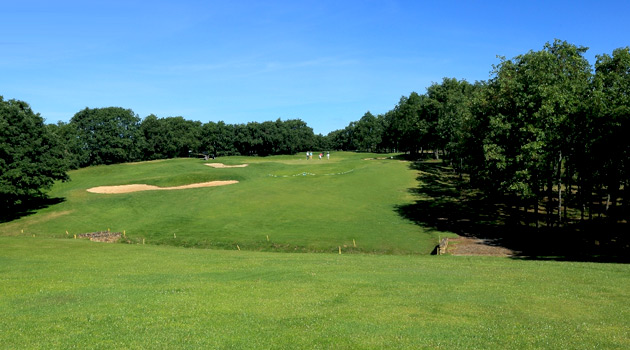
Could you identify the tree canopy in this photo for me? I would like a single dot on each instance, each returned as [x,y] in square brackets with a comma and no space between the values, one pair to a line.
[31,157]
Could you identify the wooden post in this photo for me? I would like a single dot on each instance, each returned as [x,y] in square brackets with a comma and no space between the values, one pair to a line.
[442,246]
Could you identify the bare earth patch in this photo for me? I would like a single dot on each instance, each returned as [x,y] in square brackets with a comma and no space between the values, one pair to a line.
[221,165]
[102,236]
[471,246]
[142,187]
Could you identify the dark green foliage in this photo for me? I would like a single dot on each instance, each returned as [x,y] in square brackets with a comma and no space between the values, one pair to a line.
[31,157]
[106,135]
[168,137]
[218,139]
[368,133]
[411,130]
[343,139]
[70,143]
[544,132]
[610,144]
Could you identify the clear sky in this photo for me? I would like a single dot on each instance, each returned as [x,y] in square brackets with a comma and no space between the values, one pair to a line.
[325,62]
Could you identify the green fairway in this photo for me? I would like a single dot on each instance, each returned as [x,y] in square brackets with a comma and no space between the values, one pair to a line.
[72,293]
[61,294]
[282,203]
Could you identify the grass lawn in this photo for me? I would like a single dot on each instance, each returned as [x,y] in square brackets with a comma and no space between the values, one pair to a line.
[66,293]
[282,203]
[253,293]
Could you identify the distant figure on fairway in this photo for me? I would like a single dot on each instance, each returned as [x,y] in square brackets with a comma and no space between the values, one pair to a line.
[327,155]
[306,155]
[320,156]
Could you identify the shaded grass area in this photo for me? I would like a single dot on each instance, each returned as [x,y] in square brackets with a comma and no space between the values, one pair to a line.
[282,203]
[28,206]
[445,201]
[59,294]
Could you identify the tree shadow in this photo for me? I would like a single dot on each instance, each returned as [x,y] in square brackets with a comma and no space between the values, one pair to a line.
[28,207]
[446,202]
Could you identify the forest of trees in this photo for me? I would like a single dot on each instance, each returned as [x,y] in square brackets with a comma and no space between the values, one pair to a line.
[549,132]
[116,135]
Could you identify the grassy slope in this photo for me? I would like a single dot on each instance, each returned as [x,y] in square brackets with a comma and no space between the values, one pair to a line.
[347,198]
[78,294]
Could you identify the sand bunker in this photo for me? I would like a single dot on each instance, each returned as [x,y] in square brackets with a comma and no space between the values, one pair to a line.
[141,187]
[221,165]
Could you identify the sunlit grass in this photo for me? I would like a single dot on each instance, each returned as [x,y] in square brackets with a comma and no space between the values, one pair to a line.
[64,294]
[282,203]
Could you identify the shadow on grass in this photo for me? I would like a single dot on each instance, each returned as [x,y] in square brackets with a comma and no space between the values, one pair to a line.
[28,207]
[446,202]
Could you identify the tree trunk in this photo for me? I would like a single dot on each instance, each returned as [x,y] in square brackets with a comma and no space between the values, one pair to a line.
[601,201]
[581,199]
[536,211]
[549,201]
[569,195]
[526,217]
[590,208]
[560,190]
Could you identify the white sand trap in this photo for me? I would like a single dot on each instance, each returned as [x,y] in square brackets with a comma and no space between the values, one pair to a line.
[141,187]
[221,165]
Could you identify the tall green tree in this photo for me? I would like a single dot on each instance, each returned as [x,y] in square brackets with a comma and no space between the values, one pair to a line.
[411,131]
[218,139]
[168,137]
[610,146]
[447,106]
[368,133]
[31,156]
[535,101]
[107,135]
[70,144]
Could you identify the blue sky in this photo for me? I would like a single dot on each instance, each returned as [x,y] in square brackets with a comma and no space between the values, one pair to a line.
[325,62]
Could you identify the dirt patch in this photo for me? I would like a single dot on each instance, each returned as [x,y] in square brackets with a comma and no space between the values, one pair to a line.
[471,246]
[221,165]
[142,187]
[102,236]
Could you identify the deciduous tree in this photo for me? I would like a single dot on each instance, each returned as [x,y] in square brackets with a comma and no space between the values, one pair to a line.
[31,158]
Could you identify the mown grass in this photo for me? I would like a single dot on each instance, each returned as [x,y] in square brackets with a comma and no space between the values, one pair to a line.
[64,294]
[282,203]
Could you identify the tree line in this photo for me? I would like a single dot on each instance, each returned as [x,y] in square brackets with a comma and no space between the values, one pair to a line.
[116,135]
[33,154]
[547,131]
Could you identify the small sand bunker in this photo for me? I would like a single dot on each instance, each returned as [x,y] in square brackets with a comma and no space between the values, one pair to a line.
[221,165]
[141,187]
